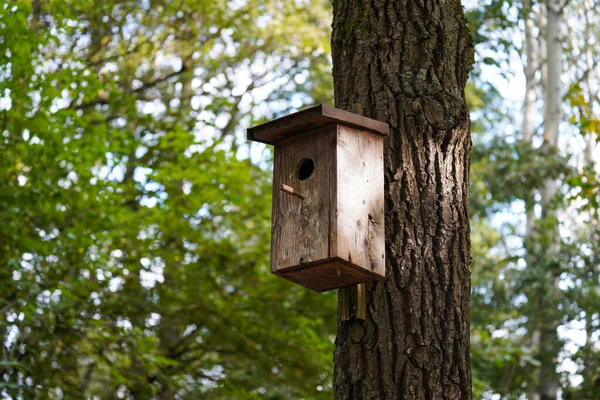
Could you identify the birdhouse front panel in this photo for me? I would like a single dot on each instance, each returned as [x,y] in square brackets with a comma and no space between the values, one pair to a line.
[328,197]
[300,227]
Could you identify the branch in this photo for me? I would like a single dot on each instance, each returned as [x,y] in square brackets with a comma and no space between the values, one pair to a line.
[87,378]
[155,82]
[562,8]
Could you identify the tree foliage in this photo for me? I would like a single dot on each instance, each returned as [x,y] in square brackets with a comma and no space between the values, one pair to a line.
[135,228]
[135,217]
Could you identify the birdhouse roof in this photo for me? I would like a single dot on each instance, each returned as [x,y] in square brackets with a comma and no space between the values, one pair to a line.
[311,118]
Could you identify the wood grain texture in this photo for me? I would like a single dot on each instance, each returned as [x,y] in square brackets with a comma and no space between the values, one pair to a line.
[327,229]
[312,118]
[328,274]
[357,229]
[300,227]
[341,215]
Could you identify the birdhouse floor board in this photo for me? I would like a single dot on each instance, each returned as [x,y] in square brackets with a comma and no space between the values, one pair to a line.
[327,275]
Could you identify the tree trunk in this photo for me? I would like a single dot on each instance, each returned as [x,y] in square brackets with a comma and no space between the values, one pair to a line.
[590,73]
[530,68]
[552,88]
[549,345]
[406,63]
[590,162]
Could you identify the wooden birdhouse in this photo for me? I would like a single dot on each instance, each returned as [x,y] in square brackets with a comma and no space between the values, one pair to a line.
[328,198]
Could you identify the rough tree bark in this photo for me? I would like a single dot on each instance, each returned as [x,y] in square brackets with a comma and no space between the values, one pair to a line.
[406,63]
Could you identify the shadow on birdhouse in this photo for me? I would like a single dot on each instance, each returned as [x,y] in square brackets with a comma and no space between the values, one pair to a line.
[328,197]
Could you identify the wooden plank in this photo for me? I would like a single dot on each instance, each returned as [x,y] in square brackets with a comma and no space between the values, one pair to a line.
[327,275]
[300,227]
[361,301]
[312,118]
[358,234]
[344,295]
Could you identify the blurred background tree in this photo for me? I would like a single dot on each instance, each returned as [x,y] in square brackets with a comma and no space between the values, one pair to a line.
[135,217]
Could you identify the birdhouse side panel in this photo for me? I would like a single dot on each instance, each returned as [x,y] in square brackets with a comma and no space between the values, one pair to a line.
[359,235]
[301,199]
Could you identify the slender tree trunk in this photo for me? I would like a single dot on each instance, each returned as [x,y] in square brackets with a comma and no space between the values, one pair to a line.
[552,88]
[406,63]
[549,345]
[530,68]
[590,74]
[590,162]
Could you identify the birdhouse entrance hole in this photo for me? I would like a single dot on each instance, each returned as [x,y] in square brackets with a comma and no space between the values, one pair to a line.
[306,166]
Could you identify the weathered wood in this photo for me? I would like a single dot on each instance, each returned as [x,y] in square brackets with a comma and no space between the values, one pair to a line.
[357,231]
[311,118]
[361,301]
[345,303]
[353,302]
[300,227]
[340,207]
[328,274]
[328,199]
